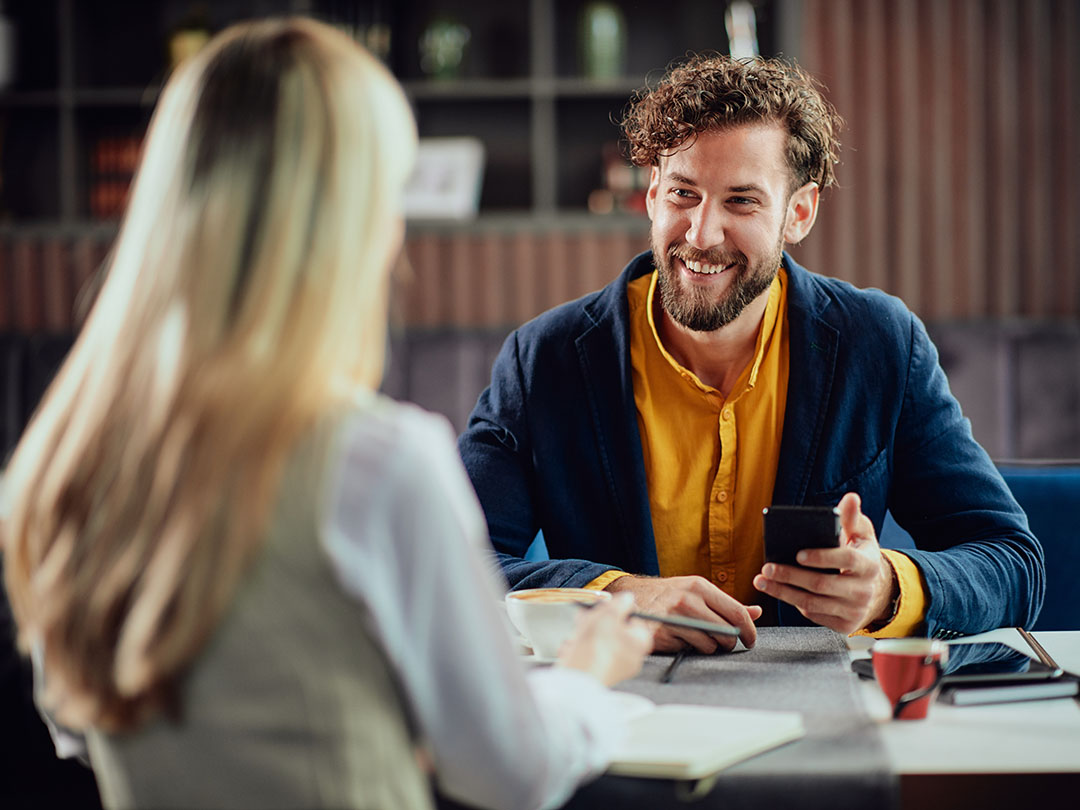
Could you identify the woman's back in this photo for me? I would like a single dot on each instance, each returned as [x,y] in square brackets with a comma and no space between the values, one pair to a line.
[181,540]
[292,704]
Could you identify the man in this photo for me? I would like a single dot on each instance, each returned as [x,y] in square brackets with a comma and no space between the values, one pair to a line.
[644,427]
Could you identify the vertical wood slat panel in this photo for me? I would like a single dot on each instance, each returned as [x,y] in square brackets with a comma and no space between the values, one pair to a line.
[959,164]
[1064,202]
[938,221]
[841,207]
[56,289]
[1072,16]
[871,169]
[978,186]
[26,287]
[489,279]
[905,115]
[1034,180]
[1002,155]
[828,243]
[7,300]
[810,252]
[961,175]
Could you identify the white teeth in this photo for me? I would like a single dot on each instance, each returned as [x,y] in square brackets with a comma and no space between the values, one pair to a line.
[709,269]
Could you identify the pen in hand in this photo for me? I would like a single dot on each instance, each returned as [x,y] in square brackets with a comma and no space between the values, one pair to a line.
[712,628]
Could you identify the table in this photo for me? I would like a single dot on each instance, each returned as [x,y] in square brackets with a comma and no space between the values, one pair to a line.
[959,757]
[1043,736]
[987,756]
[839,763]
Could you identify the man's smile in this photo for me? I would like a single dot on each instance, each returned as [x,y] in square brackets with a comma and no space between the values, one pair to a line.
[706,269]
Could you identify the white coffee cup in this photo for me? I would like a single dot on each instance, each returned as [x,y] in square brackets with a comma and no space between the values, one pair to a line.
[546,616]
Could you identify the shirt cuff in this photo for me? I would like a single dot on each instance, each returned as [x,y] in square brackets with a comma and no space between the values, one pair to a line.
[605,579]
[585,723]
[911,608]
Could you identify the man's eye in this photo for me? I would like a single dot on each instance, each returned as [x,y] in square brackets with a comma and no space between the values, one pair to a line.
[741,201]
[682,192]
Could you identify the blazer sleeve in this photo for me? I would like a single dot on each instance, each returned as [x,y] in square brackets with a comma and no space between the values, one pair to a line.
[500,457]
[982,566]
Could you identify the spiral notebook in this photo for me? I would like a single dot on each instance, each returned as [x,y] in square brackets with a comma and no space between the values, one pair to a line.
[680,741]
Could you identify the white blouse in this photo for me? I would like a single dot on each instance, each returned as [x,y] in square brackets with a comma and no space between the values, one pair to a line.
[406,535]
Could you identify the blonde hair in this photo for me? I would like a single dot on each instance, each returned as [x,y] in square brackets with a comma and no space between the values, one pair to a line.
[244,298]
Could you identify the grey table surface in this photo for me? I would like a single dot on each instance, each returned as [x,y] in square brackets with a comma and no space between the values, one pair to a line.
[841,762]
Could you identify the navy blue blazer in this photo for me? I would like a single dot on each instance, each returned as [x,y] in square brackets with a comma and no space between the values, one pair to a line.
[553,445]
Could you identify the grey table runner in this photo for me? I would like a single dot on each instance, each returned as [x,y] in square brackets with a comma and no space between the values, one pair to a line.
[840,763]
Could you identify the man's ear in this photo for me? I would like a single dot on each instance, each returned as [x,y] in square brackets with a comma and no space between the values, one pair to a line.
[654,185]
[801,213]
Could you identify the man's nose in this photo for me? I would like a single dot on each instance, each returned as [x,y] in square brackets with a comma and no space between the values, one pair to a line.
[707,226]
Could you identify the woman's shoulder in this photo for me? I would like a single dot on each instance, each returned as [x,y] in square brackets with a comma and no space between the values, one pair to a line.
[378,426]
[378,443]
[392,462]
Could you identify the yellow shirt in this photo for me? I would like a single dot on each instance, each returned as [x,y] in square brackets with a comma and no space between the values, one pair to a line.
[700,448]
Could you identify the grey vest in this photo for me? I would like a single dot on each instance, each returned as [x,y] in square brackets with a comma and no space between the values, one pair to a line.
[292,704]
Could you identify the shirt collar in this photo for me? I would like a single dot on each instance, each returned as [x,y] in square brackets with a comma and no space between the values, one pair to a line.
[768,324]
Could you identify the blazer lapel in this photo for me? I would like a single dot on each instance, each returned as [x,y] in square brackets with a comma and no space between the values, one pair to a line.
[812,347]
[812,367]
[604,356]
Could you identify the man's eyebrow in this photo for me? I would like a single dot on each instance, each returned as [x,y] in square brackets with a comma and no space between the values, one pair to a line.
[746,188]
[682,179]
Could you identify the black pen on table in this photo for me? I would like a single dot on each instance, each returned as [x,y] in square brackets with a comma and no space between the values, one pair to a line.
[669,673]
[712,628]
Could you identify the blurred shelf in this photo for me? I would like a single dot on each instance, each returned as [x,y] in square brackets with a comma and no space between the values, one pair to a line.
[117,96]
[452,89]
[594,88]
[31,98]
[425,89]
[87,76]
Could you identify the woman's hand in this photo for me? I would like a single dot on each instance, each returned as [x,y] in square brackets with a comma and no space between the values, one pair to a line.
[607,643]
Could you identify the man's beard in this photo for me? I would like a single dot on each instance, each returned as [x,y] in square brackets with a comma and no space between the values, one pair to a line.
[699,309]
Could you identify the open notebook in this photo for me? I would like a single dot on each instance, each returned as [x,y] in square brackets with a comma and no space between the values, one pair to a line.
[677,741]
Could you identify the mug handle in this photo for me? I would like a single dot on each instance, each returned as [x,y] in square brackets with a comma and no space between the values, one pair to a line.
[917,694]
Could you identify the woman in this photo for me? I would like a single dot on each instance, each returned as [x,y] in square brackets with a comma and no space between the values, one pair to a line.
[246,578]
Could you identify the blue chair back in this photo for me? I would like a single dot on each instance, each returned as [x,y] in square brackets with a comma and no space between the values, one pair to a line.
[1050,495]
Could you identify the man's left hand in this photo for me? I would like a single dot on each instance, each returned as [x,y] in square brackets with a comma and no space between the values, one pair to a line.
[860,595]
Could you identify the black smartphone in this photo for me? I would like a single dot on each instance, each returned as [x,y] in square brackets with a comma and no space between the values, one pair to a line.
[789,529]
[984,662]
[983,672]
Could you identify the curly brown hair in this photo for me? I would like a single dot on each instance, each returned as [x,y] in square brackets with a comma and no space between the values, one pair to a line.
[715,92]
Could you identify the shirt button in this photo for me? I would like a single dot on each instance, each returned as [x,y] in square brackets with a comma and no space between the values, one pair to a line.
[726,415]
[721,577]
[722,496]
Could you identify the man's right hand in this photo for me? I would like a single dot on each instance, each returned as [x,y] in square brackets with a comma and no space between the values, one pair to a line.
[696,598]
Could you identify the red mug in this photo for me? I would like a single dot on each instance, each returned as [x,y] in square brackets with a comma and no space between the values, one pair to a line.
[908,671]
